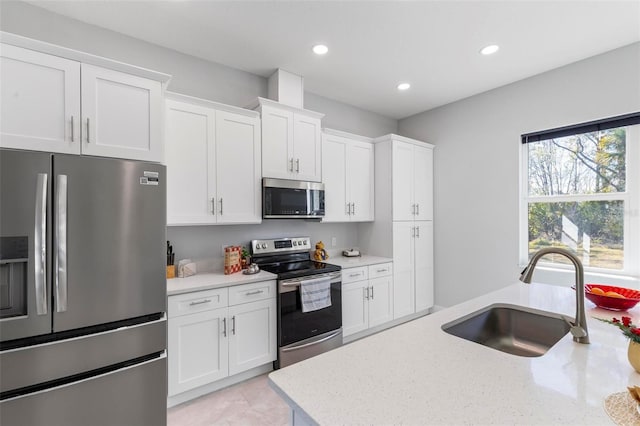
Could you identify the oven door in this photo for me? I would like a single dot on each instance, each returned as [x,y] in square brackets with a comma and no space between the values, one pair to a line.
[296,326]
[282,199]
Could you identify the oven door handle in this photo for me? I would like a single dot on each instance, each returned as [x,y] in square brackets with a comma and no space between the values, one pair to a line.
[335,277]
[324,339]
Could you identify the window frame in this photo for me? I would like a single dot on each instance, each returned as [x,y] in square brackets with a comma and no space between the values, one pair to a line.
[630,197]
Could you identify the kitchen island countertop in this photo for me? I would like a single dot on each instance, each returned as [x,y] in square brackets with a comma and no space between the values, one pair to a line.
[416,373]
[209,280]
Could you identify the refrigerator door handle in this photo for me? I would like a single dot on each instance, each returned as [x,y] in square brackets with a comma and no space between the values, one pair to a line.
[61,244]
[40,241]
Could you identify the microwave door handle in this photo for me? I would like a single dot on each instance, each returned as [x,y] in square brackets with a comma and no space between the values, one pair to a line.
[40,243]
[61,244]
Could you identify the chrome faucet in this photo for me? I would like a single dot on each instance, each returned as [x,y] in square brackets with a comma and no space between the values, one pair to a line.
[579,328]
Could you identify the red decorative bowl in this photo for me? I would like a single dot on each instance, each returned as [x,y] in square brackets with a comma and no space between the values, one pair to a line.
[628,300]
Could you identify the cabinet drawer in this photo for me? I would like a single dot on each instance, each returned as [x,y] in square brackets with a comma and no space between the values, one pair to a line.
[354,274]
[198,301]
[251,292]
[380,270]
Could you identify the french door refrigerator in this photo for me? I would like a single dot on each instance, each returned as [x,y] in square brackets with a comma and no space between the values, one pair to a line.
[82,290]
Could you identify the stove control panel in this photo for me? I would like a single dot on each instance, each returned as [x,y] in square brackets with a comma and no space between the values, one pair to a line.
[280,245]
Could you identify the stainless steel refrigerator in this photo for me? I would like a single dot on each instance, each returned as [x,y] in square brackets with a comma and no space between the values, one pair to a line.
[82,290]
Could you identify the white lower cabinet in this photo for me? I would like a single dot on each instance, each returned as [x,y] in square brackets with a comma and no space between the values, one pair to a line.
[198,352]
[367,297]
[413,267]
[217,333]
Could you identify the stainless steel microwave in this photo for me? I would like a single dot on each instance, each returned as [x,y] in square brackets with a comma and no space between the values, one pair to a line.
[292,199]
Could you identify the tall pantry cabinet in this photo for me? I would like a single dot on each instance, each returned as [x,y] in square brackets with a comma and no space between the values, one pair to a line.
[403,229]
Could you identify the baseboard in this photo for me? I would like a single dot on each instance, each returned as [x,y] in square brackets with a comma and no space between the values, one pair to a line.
[218,384]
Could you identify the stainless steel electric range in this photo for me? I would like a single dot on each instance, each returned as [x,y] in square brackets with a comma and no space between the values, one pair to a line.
[301,334]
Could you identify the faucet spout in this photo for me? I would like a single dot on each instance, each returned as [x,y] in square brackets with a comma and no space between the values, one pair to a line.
[579,328]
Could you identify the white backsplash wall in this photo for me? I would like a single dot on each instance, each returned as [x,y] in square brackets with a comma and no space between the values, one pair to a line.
[206,242]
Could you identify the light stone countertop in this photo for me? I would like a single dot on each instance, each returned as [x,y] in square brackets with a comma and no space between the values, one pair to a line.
[208,280]
[353,262]
[416,373]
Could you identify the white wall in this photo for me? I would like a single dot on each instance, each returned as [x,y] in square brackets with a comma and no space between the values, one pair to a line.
[477,162]
[208,80]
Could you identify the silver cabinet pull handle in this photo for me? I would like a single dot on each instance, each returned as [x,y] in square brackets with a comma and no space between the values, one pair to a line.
[355,275]
[213,206]
[221,206]
[365,291]
[381,270]
[233,325]
[88,131]
[254,292]
[224,327]
[291,164]
[371,292]
[353,209]
[40,244]
[413,231]
[418,209]
[200,302]
[297,165]
[73,138]
[348,208]
[61,245]
[417,231]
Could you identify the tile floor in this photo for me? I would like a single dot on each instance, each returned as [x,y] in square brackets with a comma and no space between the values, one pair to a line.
[248,403]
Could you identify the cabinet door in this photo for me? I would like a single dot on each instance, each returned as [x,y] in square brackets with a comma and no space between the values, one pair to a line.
[423,192]
[424,265]
[190,130]
[355,307]
[402,181]
[334,178]
[403,269]
[307,150]
[277,143]
[238,168]
[360,181]
[380,300]
[121,115]
[40,101]
[197,350]
[252,338]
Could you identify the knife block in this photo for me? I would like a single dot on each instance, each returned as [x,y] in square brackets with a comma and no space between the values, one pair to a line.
[171,271]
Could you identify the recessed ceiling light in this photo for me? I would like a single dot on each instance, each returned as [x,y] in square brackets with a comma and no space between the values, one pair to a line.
[403,86]
[489,50]
[320,49]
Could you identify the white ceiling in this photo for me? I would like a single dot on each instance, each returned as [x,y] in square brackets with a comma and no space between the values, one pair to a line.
[374,45]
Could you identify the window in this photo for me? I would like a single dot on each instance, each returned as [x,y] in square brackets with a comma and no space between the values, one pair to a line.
[580,187]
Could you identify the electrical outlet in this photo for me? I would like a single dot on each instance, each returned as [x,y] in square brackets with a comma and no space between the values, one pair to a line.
[333,241]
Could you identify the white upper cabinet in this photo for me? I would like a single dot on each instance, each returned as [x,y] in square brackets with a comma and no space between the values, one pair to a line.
[307,147]
[121,115]
[40,107]
[190,156]
[60,100]
[347,173]
[238,168]
[291,141]
[412,182]
[277,137]
[213,163]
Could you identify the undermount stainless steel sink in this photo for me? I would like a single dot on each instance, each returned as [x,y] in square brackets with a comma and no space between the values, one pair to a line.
[512,329]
